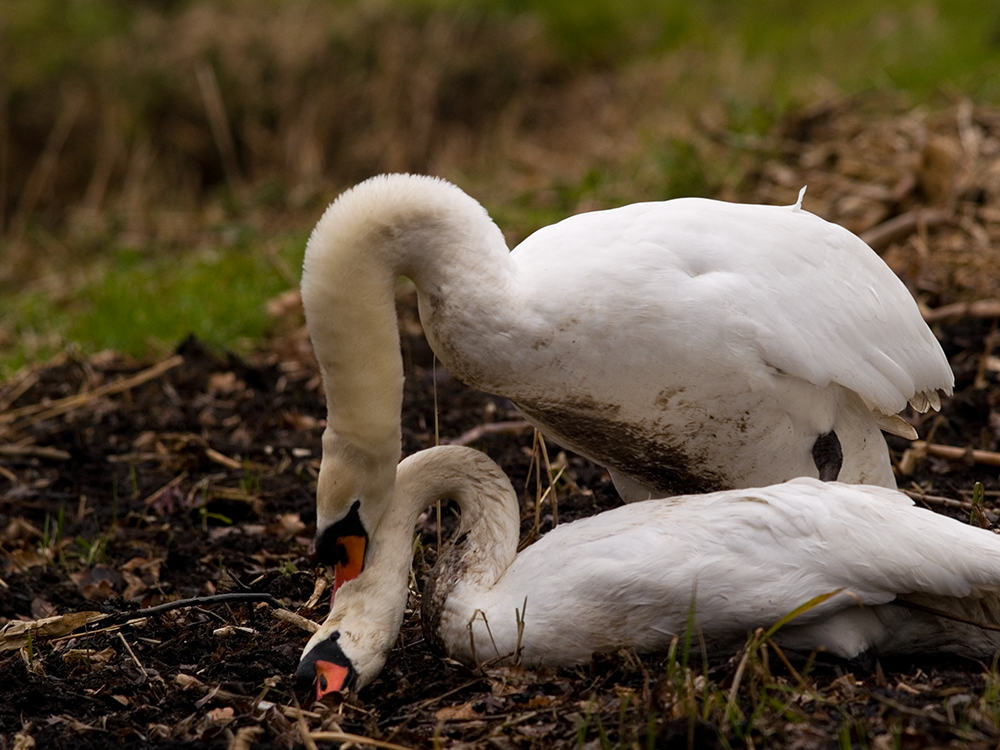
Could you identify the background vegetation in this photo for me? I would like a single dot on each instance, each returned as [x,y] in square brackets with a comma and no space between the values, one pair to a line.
[161,163]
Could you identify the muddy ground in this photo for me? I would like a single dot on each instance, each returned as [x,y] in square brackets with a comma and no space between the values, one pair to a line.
[200,480]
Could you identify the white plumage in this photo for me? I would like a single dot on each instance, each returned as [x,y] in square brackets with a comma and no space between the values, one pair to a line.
[688,346]
[627,577]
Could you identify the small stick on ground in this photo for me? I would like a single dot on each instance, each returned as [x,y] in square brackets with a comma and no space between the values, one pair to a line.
[18,388]
[197,601]
[937,500]
[297,620]
[36,451]
[39,412]
[172,483]
[319,587]
[303,728]
[986,308]
[356,738]
[492,428]
[135,658]
[954,453]
[902,226]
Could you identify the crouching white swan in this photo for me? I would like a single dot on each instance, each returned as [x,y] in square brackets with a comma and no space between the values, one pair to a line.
[688,346]
[627,577]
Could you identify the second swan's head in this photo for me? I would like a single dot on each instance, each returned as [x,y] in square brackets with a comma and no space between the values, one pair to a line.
[346,653]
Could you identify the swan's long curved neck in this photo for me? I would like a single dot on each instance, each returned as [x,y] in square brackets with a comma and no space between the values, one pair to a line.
[486,540]
[390,226]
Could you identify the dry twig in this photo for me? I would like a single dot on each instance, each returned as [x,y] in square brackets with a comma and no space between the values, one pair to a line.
[986,308]
[356,738]
[39,412]
[492,428]
[295,619]
[902,226]
[954,453]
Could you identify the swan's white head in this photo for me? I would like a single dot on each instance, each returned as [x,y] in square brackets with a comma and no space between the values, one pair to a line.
[348,651]
[350,647]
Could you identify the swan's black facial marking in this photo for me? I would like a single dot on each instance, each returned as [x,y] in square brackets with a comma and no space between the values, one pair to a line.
[330,550]
[828,456]
[308,674]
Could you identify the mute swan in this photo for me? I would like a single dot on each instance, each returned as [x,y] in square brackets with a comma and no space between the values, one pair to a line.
[687,346]
[626,577]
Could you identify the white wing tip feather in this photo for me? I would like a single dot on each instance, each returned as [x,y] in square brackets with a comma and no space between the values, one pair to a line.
[895,425]
[926,401]
[798,202]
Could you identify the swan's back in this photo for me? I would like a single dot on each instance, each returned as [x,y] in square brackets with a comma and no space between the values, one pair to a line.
[801,295]
[745,558]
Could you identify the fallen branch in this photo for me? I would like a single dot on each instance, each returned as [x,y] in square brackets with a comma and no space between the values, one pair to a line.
[953,453]
[298,620]
[986,308]
[477,433]
[196,601]
[938,500]
[355,738]
[190,682]
[38,451]
[63,405]
[902,226]
[17,633]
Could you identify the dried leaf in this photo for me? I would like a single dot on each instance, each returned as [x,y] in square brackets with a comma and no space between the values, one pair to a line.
[98,583]
[89,657]
[245,737]
[19,529]
[28,558]
[289,526]
[222,715]
[135,587]
[457,713]
[224,383]
[15,634]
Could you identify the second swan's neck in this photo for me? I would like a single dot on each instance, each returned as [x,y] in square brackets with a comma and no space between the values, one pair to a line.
[485,545]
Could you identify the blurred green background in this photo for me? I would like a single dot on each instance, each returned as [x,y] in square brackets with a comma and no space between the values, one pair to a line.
[161,163]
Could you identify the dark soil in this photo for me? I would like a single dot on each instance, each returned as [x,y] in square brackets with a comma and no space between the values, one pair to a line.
[86,524]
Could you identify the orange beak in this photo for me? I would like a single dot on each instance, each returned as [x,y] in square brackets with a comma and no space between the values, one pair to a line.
[354,549]
[330,678]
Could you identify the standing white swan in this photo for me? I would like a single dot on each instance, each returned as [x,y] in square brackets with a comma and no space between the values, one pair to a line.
[687,346]
[627,577]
